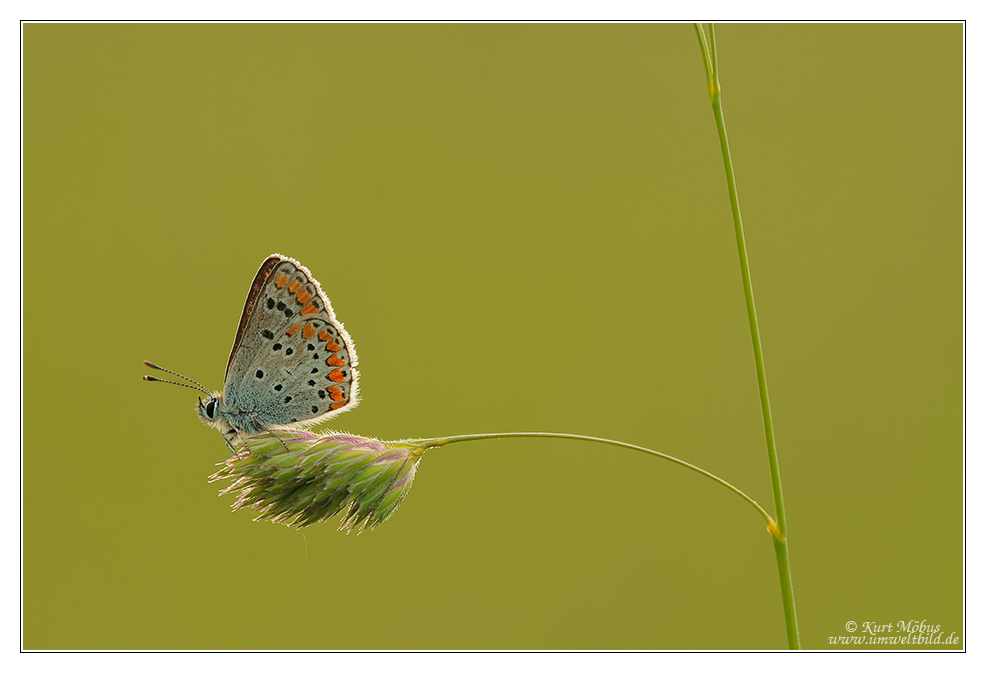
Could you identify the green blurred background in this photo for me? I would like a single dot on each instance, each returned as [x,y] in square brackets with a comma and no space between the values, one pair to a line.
[524,227]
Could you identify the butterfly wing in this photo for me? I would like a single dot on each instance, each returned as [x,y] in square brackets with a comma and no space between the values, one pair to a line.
[292,362]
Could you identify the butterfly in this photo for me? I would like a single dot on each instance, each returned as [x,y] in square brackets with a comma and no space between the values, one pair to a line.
[293,364]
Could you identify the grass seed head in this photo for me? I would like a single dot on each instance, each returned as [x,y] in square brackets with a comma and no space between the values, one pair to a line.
[301,478]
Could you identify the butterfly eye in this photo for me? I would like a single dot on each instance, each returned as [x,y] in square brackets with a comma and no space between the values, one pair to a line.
[210,408]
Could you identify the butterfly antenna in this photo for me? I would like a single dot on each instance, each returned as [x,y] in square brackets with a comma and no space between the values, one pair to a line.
[197,386]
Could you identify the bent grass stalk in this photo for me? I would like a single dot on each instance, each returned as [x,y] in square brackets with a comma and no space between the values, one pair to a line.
[442,441]
[299,478]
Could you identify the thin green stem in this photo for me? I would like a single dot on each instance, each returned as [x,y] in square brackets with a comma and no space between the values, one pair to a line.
[706,58]
[780,542]
[433,442]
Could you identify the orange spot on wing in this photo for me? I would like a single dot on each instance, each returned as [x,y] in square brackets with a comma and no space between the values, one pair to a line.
[308,332]
[336,405]
[335,361]
[338,375]
[304,297]
[332,346]
[335,393]
[293,329]
[324,336]
[293,286]
[309,309]
[280,279]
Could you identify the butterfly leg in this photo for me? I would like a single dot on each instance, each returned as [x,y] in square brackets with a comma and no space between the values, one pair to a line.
[273,434]
[277,437]
[226,436]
